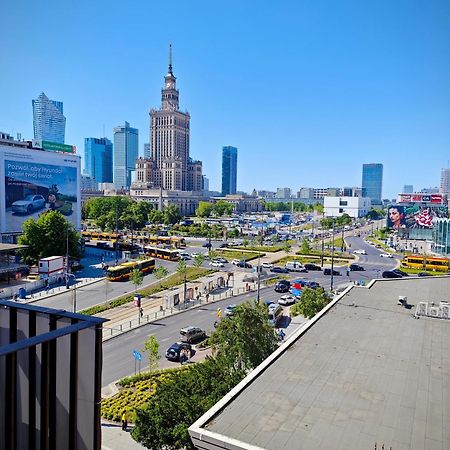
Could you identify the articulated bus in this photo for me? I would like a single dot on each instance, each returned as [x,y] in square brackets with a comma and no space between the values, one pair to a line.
[162,253]
[426,263]
[167,241]
[122,271]
[100,236]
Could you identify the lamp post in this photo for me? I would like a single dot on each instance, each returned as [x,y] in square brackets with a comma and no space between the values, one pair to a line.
[342,239]
[332,259]
[67,256]
[259,278]
[321,256]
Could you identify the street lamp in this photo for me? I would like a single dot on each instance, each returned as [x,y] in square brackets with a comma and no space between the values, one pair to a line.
[259,278]
[332,258]
[321,256]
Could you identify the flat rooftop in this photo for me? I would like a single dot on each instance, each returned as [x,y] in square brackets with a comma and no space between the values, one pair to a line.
[6,247]
[364,372]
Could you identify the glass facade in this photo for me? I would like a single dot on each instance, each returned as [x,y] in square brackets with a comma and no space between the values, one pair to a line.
[372,182]
[229,170]
[441,237]
[49,123]
[98,154]
[126,150]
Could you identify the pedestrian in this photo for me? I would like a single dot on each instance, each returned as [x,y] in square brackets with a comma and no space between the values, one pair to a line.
[207,296]
[124,420]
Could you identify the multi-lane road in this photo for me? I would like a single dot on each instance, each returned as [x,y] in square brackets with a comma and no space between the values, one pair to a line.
[118,352]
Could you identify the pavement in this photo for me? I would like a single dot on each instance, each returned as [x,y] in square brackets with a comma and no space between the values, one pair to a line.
[113,438]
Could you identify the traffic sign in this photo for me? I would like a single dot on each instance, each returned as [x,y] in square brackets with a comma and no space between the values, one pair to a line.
[137,355]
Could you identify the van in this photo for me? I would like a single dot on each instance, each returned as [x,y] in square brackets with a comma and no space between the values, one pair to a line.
[275,314]
[295,266]
[191,334]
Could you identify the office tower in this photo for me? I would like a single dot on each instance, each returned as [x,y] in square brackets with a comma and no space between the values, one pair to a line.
[98,155]
[408,189]
[445,182]
[126,149]
[205,183]
[229,170]
[147,151]
[372,182]
[283,193]
[172,168]
[49,123]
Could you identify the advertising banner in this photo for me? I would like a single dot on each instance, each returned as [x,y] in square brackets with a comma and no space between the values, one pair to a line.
[415,216]
[36,181]
[421,198]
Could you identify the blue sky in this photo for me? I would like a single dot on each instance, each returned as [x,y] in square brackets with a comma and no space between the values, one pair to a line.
[307,90]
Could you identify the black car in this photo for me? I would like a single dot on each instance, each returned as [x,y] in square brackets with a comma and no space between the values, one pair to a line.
[224,245]
[277,269]
[282,286]
[207,245]
[355,267]
[328,272]
[173,352]
[400,272]
[312,284]
[244,264]
[423,274]
[391,274]
[309,266]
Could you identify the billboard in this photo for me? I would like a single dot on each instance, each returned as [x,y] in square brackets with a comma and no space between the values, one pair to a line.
[35,181]
[437,199]
[414,216]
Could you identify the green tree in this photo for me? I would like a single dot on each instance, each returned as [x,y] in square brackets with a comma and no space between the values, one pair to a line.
[171,215]
[151,348]
[319,208]
[258,240]
[246,340]
[160,272]
[199,260]
[222,208]
[137,278]
[48,236]
[156,216]
[287,247]
[204,209]
[305,247]
[233,233]
[312,301]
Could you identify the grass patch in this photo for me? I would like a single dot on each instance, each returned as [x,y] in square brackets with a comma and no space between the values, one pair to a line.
[258,248]
[192,273]
[327,253]
[306,259]
[416,271]
[235,254]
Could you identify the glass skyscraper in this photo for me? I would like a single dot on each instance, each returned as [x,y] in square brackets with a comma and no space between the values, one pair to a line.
[229,170]
[98,159]
[372,182]
[126,150]
[49,123]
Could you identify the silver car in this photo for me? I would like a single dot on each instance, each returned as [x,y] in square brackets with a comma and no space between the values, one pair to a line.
[29,204]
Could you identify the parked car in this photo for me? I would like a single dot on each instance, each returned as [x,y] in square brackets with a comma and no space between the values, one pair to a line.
[194,255]
[230,310]
[328,272]
[207,245]
[423,274]
[385,255]
[294,266]
[286,300]
[192,334]
[309,266]
[299,283]
[244,264]
[391,274]
[29,204]
[235,262]
[277,269]
[282,286]
[312,284]
[173,352]
[222,260]
[224,245]
[185,257]
[355,268]
[267,265]
[360,252]
[400,272]
[216,264]
[184,254]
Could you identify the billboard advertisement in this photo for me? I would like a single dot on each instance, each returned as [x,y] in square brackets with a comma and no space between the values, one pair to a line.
[437,199]
[35,181]
[414,216]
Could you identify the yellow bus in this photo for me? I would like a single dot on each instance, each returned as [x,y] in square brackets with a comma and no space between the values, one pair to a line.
[435,263]
[100,236]
[162,253]
[166,241]
[122,271]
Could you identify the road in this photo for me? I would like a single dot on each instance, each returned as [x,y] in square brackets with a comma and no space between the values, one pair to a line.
[118,352]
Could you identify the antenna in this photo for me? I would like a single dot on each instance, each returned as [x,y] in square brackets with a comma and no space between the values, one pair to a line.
[104,131]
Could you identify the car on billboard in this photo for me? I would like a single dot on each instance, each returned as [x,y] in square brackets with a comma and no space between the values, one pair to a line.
[29,204]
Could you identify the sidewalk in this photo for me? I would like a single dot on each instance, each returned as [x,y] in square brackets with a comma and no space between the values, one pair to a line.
[113,438]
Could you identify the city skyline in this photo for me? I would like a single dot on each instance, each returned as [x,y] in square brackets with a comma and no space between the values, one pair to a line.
[354,91]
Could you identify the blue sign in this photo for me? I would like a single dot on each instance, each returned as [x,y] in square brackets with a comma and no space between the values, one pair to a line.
[137,355]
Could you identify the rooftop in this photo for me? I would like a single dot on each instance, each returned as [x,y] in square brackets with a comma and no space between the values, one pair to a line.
[365,371]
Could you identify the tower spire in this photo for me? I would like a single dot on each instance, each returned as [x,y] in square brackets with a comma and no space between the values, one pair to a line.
[170,59]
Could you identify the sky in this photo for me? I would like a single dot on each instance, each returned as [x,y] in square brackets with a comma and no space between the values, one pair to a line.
[308,90]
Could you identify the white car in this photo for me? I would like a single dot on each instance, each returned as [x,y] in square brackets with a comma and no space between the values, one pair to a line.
[216,264]
[386,255]
[235,262]
[194,255]
[29,204]
[360,252]
[267,265]
[286,300]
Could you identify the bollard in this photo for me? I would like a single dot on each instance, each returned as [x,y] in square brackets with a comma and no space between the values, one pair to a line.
[130,323]
[111,331]
[171,310]
[120,327]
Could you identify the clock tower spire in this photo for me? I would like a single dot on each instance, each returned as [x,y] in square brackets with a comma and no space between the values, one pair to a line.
[170,93]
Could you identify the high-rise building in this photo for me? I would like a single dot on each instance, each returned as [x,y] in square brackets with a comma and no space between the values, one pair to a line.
[372,182]
[408,189]
[98,155]
[171,167]
[126,149]
[205,183]
[229,170]
[283,192]
[49,123]
[146,150]
[445,182]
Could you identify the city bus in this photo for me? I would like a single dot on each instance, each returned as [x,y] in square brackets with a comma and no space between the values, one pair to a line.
[166,241]
[434,263]
[162,253]
[91,235]
[122,271]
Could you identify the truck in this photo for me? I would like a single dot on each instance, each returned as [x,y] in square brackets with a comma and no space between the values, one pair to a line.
[51,266]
